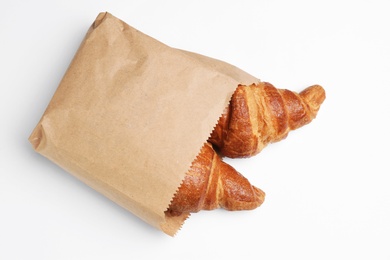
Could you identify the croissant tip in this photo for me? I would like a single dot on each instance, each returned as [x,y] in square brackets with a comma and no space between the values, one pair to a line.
[260,195]
[314,96]
[314,93]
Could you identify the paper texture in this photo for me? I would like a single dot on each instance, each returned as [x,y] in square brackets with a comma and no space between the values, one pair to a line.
[131,114]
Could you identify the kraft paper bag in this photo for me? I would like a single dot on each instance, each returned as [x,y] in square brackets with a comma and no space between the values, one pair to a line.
[131,114]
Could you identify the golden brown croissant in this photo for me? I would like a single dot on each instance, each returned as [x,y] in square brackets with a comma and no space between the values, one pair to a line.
[211,183]
[261,114]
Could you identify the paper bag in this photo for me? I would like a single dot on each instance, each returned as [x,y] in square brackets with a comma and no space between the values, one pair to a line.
[131,114]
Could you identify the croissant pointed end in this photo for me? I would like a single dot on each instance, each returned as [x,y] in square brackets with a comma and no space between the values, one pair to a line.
[260,196]
[314,96]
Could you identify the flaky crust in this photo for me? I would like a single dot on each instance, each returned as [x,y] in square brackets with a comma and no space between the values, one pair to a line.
[262,114]
[212,183]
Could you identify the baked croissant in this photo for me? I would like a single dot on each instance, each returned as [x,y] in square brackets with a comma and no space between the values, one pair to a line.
[211,183]
[262,114]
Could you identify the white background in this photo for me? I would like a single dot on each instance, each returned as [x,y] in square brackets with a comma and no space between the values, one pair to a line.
[327,184]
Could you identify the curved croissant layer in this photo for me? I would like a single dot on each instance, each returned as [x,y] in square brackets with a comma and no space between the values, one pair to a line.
[262,114]
[212,183]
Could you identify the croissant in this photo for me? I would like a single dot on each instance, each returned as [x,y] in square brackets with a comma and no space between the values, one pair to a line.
[262,114]
[211,183]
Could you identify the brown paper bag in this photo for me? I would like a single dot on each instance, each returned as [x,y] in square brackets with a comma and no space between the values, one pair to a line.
[131,114]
